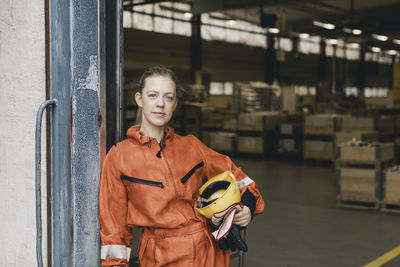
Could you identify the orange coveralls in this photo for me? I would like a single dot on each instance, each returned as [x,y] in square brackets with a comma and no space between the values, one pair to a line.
[155,186]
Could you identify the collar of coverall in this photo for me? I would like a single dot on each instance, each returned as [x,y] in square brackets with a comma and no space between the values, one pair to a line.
[135,133]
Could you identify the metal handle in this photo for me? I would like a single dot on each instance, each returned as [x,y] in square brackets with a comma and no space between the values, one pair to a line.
[38,156]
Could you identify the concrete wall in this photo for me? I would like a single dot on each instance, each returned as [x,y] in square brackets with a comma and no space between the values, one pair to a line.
[22,90]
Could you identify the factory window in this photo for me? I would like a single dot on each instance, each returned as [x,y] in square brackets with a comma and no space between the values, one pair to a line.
[216,27]
[370,92]
[351,91]
[304,90]
[309,45]
[352,53]
[221,88]
[170,18]
[284,44]
[378,57]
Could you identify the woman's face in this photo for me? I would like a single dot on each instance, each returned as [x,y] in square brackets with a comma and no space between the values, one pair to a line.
[157,100]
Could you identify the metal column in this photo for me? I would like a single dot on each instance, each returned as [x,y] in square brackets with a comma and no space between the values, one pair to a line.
[60,57]
[74,78]
[85,141]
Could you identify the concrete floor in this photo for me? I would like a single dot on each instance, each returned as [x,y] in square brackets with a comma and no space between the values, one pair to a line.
[301,227]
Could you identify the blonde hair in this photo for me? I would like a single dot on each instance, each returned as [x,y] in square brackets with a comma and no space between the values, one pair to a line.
[156,71]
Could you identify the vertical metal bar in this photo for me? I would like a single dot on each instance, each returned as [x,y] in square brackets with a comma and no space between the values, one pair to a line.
[114,67]
[85,169]
[38,156]
[60,62]
[120,111]
[48,132]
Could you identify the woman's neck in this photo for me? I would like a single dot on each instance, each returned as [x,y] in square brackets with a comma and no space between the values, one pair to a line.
[153,131]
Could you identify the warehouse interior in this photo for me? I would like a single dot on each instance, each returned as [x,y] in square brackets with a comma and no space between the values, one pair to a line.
[305,97]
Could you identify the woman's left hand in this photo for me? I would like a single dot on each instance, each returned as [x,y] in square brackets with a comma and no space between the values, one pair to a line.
[243,216]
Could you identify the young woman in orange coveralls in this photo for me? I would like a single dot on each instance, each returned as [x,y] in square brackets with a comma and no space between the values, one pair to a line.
[151,180]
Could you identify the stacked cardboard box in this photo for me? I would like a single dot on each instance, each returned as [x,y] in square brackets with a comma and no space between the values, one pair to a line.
[356,128]
[319,136]
[251,144]
[360,172]
[256,131]
[221,141]
[391,190]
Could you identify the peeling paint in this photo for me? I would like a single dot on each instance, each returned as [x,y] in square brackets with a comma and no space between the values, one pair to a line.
[91,82]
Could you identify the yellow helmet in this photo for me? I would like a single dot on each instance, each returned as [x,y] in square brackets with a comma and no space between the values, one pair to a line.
[218,193]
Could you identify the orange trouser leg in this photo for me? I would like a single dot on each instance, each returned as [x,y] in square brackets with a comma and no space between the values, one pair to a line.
[196,248]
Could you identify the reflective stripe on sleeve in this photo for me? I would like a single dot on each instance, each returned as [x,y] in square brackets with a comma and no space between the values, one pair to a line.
[244,182]
[115,251]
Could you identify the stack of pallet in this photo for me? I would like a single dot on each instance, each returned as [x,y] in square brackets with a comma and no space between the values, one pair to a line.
[356,129]
[290,137]
[359,175]
[221,141]
[391,190]
[319,133]
[255,131]
[215,132]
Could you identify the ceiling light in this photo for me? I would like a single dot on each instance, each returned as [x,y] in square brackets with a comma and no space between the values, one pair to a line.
[327,26]
[273,30]
[353,45]
[396,41]
[188,15]
[352,31]
[231,22]
[380,37]
[375,49]
[304,35]
[347,30]
[332,41]
[391,52]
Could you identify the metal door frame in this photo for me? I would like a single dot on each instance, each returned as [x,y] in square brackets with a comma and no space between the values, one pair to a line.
[77,58]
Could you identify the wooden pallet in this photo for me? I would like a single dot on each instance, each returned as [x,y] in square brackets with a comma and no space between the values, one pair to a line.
[365,164]
[357,205]
[390,208]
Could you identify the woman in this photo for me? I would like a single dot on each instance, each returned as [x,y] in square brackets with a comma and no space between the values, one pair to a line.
[151,180]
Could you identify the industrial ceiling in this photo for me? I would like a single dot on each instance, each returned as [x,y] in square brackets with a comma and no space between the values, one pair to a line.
[368,22]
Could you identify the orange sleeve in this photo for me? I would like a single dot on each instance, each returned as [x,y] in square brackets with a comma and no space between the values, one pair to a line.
[114,233]
[215,163]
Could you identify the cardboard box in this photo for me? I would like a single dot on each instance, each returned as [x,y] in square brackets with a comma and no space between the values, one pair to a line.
[222,141]
[391,188]
[346,136]
[291,129]
[251,122]
[260,121]
[380,152]
[250,144]
[322,124]
[318,150]
[350,123]
[363,185]
[230,125]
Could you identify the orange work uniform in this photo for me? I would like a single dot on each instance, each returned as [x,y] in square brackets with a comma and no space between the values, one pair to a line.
[155,186]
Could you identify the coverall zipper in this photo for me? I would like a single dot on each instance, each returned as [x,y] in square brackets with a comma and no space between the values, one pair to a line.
[185,178]
[170,172]
[142,181]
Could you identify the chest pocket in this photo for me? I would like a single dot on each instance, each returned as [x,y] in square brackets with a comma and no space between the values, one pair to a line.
[142,181]
[185,178]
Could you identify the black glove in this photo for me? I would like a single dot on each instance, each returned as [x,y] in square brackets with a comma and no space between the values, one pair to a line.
[233,240]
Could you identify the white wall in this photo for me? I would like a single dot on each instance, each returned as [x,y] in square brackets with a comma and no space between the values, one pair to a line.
[22,90]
